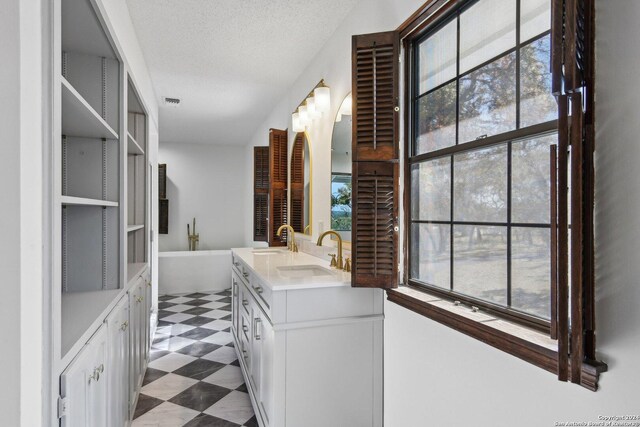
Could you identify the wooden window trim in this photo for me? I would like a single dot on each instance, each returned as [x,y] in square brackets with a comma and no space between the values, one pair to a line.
[522,341]
[517,340]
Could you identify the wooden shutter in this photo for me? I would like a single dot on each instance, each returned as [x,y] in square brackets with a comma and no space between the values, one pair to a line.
[375,63]
[278,175]
[374,226]
[297,183]
[375,146]
[260,193]
[572,66]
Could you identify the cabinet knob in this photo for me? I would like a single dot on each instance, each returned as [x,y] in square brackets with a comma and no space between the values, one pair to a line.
[124,325]
[245,302]
[96,373]
[245,328]
[258,289]
[245,274]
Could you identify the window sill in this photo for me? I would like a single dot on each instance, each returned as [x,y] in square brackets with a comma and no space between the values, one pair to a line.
[527,344]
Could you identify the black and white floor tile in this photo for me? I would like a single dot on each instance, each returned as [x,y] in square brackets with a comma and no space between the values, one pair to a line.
[194,378]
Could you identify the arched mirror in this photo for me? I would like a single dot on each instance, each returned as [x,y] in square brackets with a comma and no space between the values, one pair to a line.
[301,187]
[341,171]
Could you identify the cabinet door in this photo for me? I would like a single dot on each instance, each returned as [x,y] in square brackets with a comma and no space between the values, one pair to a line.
[266,393]
[147,319]
[134,338]
[84,384]
[256,345]
[118,363]
[235,298]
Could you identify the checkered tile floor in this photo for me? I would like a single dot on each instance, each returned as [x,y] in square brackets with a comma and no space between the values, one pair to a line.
[194,378]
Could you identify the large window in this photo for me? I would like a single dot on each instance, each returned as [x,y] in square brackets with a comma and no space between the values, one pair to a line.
[483,127]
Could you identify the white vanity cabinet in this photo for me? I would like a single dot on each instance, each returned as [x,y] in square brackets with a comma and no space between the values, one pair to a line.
[310,348]
[118,363]
[84,385]
[100,385]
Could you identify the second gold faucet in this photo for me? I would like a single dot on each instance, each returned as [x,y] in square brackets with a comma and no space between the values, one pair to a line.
[339,262]
[291,243]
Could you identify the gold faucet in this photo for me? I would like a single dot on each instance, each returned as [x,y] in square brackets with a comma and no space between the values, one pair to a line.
[193,238]
[291,243]
[339,263]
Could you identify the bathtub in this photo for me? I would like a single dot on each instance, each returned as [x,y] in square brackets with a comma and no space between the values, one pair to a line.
[184,271]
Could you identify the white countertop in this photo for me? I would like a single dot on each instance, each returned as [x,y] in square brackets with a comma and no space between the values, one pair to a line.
[265,266]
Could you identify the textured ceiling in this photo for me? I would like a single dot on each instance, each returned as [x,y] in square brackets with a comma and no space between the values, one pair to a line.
[229,61]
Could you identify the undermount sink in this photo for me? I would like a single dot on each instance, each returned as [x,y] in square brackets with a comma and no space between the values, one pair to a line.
[304,271]
[268,251]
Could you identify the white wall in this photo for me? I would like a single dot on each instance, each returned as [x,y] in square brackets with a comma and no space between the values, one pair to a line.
[435,376]
[206,182]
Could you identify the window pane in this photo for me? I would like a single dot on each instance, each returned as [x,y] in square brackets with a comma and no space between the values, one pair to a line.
[437,57]
[535,18]
[487,29]
[480,262]
[530,180]
[537,104]
[431,190]
[531,270]
[437,120]
[480,185]
[430,254]
[488,100]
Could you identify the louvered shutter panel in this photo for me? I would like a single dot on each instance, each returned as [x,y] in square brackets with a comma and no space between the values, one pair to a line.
[297,183]
[260,193]
[572,66]
[375,62]
[278,160]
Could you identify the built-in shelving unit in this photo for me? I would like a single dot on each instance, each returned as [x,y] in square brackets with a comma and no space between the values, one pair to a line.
[101,175]
[102,288]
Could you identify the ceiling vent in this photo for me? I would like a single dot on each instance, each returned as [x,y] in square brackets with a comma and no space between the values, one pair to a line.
[171,102]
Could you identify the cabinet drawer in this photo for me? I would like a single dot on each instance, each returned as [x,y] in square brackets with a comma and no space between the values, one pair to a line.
[263,293]
[245,298]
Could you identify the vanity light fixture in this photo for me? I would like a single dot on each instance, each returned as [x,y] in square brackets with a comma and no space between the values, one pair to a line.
[305,120]
[318,101]
[311,108]
[323,98]
[296,124]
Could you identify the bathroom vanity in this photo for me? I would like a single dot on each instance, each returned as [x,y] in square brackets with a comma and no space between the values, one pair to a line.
[309,345]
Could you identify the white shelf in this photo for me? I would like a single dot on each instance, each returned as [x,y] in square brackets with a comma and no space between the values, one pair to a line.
[80,312]
[82,31]
[79,118]
[132,228]
[132,146]
[79,201]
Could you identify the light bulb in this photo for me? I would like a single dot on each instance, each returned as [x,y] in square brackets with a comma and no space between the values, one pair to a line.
[295,123]
[311,108]
[323,99]
[304,115]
